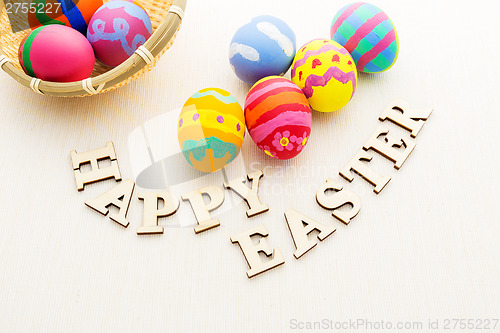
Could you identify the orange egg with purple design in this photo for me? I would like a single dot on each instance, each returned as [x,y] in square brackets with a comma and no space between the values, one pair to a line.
[211,129]
[278,117]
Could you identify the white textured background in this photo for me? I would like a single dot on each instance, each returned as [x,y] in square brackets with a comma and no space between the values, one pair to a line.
[426,247]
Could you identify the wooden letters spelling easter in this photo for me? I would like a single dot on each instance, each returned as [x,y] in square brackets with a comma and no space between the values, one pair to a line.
[382,141]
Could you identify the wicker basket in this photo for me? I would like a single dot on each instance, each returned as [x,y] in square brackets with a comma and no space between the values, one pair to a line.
[166,17]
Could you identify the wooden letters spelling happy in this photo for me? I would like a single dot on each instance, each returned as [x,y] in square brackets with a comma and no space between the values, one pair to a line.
[394,148]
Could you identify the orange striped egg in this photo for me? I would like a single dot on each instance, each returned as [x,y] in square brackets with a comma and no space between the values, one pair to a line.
[278,117]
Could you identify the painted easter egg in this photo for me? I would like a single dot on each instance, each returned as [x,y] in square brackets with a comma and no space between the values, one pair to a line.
[136,3]
[368,34]
[278,117]
[117,30]
[56,53]
[211,129]
[326,73]
[261,48]
[72,13]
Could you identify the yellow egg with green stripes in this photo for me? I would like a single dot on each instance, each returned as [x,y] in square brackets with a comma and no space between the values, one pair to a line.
[211,129]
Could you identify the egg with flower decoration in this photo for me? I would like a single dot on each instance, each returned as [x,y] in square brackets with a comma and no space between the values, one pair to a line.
[278,117]
[211,129]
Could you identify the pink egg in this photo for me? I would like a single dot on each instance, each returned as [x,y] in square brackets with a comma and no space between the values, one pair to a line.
[56,53]
[116,30]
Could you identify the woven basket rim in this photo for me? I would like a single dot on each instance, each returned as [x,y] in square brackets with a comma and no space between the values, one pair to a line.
[153,47]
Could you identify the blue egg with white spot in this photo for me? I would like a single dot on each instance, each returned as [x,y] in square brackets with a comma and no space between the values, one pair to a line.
[261,48]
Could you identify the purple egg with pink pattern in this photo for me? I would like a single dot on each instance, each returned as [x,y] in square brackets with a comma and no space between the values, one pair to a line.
[117,30]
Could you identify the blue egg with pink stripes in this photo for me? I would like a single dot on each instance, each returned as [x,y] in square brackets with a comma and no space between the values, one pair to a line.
[368,34]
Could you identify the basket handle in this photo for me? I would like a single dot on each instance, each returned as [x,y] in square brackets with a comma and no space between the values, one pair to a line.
[3,60]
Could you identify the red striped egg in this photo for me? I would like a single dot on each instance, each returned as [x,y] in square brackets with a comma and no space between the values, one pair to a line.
[278,117]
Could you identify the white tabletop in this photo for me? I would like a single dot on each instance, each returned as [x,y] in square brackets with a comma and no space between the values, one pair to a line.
[425,248]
